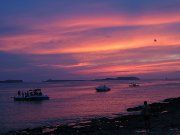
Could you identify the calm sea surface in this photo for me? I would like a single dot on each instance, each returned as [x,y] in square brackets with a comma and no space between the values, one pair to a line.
[72,101]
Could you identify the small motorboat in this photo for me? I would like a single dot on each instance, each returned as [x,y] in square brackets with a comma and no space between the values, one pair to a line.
[134,85]
[103,88]
[31,95]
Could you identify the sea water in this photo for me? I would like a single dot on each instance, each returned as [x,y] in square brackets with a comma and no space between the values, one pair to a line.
[76,100]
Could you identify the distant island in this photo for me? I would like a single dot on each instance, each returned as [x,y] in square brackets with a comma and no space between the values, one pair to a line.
[119,78]
[12,81]
[51,80]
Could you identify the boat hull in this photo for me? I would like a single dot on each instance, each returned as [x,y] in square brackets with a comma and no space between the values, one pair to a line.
[103,90]
[32,98]
[136,85]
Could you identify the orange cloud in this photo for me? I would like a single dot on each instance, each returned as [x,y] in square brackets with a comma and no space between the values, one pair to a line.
[38,43]
[72,35]
[58,66]
[94,35]
[133,69]
[113,19]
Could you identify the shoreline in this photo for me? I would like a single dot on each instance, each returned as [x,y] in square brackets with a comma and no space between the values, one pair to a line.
[165,119]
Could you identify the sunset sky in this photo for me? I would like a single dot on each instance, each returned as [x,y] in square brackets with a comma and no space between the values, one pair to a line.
[87,39]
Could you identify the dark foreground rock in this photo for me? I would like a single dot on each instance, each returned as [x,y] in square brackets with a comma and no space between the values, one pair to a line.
[165,120]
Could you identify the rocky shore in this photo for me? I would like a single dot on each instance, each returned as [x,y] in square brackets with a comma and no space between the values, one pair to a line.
[165,120]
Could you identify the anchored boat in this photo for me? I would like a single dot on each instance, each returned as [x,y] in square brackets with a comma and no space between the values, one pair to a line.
[134,85]
[31,95]
[103,88]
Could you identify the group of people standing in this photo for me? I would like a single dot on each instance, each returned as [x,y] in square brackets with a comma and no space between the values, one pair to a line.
[36,92]
[23,94]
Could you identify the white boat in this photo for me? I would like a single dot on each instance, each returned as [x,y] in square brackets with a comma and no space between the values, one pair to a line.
[134,85]
[31,95]
[102,88]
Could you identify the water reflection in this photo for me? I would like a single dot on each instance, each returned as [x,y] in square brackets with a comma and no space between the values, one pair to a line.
[73,100]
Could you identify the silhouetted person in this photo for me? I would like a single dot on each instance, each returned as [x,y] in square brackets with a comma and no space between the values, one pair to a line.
[27,93]
[146,115]
[40,93]
[19,93]
[22,94]
[31,93]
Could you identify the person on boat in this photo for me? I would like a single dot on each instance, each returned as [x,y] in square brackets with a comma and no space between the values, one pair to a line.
[27,93]
[35,92]
[40,93]
[22,94]
[19,93]
[31,92]
[146,115]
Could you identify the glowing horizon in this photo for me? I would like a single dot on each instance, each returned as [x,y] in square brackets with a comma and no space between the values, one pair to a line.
[68,40]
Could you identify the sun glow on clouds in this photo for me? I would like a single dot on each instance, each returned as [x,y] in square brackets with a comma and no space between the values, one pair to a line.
[135,69]
[117,20]
[92,39]
[93,34]
[59,66]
